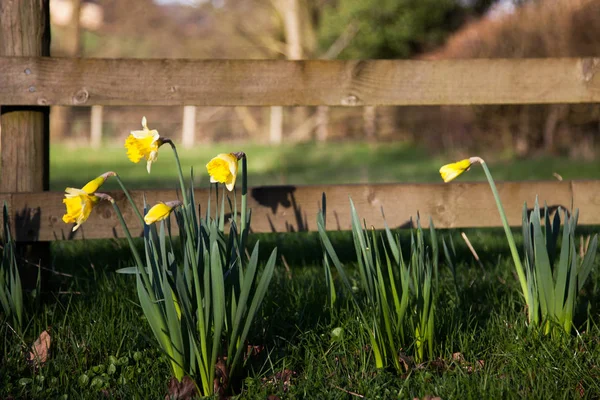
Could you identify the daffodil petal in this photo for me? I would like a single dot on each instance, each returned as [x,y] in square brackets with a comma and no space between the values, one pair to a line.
[451,171]
[223,169]
[159,212]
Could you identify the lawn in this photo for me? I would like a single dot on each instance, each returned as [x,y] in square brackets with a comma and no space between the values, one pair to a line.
[102,346]
[310,163]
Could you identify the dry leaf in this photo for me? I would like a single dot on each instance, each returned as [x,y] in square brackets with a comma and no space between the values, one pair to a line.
[282,378]
[221,380]
[407,362]
[184,390]
[458,357]
[40,349]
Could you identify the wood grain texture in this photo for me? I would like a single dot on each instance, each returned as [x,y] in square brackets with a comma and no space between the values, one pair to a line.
[37,216]
[24,31]
[86,82]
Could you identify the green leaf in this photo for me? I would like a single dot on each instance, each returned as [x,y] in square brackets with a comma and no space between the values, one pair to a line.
[588,262]
[243,299]
[543,271]
[257,299]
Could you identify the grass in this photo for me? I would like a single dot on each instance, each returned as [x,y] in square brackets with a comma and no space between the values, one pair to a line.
[103,347]
[310,163]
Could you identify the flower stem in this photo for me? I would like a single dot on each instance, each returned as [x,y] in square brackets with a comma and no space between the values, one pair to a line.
[244,194]
[179,171]
[136,254]
[133,205]
[509,236]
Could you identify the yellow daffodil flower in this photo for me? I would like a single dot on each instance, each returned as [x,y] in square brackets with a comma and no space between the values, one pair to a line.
[160,211]
[143,144]
[223,169]
[451,171]
[80,202]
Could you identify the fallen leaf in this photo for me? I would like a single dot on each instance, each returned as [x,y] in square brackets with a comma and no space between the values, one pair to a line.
[407,362]
[221,380]
[184,390]
[40,349]
[283,378]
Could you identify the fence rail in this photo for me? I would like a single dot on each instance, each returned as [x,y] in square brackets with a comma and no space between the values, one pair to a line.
[42,81]
[38,216]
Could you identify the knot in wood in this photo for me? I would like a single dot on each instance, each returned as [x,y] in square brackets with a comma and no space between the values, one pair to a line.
[350,100]
[42,101]
[589,67]
[81,97]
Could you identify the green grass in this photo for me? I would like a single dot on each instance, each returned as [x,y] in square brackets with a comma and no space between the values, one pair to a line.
[95,323]
[310,163]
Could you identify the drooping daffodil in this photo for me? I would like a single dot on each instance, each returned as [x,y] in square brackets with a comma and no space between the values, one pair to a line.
[143,144]
[80,202]
[223,169]
[160,211]
[451,171]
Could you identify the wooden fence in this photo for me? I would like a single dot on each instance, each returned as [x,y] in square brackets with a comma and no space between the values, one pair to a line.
[38,216]
[30,81]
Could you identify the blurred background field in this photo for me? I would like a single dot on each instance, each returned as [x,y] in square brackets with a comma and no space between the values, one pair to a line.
[306,163]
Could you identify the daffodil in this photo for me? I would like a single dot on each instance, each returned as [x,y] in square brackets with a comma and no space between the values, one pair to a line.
[143,144]
[223,169]
[451,171]
[80,202]
[160,211]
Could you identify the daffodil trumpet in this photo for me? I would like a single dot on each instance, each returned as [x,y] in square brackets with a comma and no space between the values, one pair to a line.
[80,202]
[224,169]
[452,171]
[144,143]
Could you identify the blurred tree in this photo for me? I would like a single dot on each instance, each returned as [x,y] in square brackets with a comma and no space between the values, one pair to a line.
[394,28]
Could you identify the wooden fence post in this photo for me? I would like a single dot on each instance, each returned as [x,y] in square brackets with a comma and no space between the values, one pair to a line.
[25,31]
[96,127]
[188,127]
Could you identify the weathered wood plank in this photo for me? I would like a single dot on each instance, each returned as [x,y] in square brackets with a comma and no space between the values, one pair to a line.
[38,216]
[86,82]
[24,31]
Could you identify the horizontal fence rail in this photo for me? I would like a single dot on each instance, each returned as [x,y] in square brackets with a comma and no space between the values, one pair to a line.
[85,82]
[38,216]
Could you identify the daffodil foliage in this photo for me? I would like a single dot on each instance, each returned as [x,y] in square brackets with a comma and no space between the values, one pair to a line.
[200,304]
[398,293]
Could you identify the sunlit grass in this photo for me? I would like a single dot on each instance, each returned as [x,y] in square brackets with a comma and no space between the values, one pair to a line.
[95,322]
[309,163]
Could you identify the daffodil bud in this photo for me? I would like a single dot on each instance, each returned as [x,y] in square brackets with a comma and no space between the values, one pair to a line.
[160,211]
